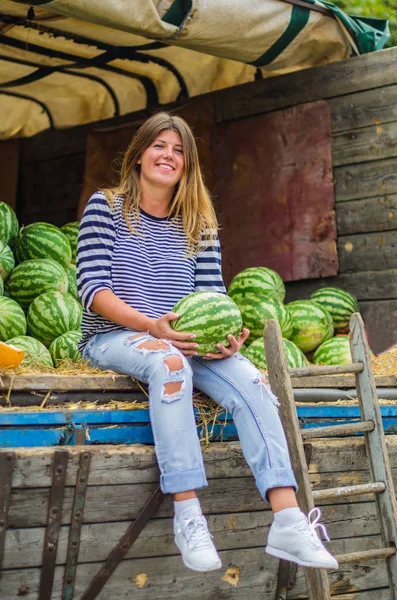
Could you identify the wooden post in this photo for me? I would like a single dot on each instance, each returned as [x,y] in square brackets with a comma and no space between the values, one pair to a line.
[375,442]
[317,580]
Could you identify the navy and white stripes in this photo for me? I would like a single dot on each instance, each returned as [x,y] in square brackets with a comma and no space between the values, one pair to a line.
[149,270]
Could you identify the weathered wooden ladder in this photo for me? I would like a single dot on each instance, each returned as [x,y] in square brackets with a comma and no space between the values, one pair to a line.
[371,425]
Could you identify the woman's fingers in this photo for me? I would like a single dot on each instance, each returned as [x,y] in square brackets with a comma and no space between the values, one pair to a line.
[223,352]
[184,345]
[235,345]
[177,335]
[243,336]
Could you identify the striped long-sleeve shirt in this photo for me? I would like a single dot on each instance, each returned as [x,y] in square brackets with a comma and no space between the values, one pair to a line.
[150,270]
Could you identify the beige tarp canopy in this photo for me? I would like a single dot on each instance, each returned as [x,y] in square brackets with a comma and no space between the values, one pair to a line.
[70,62]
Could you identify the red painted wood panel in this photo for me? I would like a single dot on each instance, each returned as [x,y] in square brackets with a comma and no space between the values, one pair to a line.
[274,194]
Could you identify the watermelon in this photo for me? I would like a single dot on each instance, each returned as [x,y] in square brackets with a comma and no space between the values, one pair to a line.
[71,230]
[12,319]
[65,347]
[243,350]
[256,354]
[51,314]
[7,260]
[72,281]
[311,324]
[257,280]
[339,303]
[35,352]
[8,224]
[43,240]
[335,351]
[34,277]
[209,315]
[257,310]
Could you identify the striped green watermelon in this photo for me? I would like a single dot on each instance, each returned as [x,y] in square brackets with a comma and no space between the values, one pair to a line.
[294,355]
[8,224]
[35,352]
[12,319]
[71,230]
[7,260]
[335,351]
[311,324]
[33,277]
[256,310]
[243,350]
[211,316]
[72,281]
[65,347]
[43,240]
[257,280]
[339,303]
[51,314]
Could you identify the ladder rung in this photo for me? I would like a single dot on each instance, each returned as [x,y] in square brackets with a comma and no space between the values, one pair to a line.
[333,370]
[365,555]
[346,429]
[349,490]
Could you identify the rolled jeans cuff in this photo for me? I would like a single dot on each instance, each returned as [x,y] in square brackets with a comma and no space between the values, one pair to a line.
[183,481]
[274,478]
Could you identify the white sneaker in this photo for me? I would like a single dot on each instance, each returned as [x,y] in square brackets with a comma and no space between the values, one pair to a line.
[299,543]
[194,541]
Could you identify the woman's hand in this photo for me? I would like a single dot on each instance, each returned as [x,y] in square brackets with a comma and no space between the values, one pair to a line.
[235,345]
[161,328]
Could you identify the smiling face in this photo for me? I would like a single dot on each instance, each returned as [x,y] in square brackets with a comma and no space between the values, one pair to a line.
[162,163]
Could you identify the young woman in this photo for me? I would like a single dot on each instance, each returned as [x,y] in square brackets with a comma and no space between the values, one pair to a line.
[142,246]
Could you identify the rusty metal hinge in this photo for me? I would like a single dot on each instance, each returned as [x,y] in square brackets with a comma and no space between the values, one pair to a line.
[75,527]
[7,462]
[59,469]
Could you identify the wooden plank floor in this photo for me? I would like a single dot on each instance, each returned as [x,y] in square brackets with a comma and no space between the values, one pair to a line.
[122,383]
[122,478]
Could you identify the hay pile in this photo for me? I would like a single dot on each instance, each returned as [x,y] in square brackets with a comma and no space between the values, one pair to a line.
[208,413]
[385,364]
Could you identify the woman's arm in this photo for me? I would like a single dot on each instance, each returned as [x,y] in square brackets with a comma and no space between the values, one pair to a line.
[97,236]
[94,262]
[208,275]
[108,305]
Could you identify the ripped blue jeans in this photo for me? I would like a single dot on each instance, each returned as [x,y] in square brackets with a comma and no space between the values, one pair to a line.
[235,383]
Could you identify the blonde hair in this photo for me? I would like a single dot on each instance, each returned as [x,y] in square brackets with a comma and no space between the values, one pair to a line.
[191,199]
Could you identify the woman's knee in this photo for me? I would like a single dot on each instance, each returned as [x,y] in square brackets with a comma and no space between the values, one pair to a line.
[174,364]
[171,366]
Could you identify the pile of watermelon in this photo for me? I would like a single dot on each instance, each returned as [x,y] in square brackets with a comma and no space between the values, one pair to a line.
[313,329]
[40,312]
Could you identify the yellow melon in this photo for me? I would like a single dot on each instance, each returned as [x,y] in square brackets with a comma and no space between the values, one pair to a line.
[10,357]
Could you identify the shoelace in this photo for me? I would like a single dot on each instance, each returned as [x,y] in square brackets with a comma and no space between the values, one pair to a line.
[311,524]
[196,533]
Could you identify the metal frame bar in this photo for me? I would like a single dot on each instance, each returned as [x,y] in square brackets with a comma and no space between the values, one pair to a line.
[75,527]
[32,99]
[59,69]
[59,469]
[118,553]
[81,62]
[315,7]
[7,463]
[111,52]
